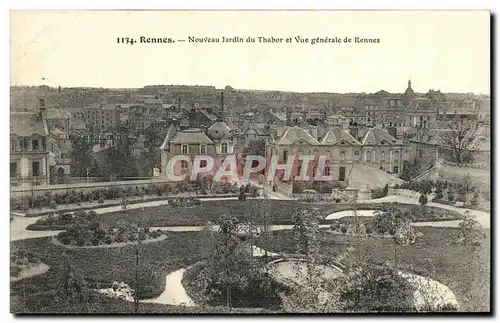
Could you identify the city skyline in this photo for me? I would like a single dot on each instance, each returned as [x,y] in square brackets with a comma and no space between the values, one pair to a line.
[72,49]
[244,89]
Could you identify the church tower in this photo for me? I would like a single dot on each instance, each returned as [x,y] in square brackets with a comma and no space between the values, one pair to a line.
[409,94]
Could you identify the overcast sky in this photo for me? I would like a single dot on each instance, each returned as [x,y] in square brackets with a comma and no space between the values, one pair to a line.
[449,51]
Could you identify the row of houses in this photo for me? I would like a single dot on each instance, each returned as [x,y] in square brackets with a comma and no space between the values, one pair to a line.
[372,146]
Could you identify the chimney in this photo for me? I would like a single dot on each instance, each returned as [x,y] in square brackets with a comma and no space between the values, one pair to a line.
[222,101]
[354,130]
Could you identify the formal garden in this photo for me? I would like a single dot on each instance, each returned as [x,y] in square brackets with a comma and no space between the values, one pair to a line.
[193,212]
[448,192]
[223,275]
[202,187]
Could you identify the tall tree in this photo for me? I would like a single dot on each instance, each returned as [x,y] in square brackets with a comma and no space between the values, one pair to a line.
[460,136]
[119,157]
[81,156]
[398,223]
[256,147]
[150,154]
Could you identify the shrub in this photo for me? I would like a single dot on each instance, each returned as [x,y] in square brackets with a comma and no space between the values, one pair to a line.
[66,218]
[343,229]
[156,234]
[423,199]
[15,271]
[94,241]
[80,241]
[119,238]
[21,262]
[108,240]
[53,204]
[100,200]
[377,290]
[66,240]
[377,193]
[386,190]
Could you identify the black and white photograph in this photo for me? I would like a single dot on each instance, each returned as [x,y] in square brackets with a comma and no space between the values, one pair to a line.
[250,162]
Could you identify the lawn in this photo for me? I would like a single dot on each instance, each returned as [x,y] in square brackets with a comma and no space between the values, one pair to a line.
[43,303]
[103,266]
[281,213]
[432,256]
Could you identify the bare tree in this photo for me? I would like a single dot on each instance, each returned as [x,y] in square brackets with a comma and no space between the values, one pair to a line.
[460,136]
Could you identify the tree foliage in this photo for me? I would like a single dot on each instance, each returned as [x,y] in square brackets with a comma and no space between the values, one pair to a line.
[71,285]
[81,157]
[460,136]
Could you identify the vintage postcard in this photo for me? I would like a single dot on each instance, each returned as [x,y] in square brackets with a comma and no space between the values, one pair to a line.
[250,162]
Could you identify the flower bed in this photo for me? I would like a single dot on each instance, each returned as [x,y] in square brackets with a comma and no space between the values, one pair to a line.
[451,192]
[21,261]
[318,186]
[200,187]
[86,229]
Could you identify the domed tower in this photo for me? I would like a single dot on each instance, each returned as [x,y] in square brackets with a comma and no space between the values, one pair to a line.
[409,94]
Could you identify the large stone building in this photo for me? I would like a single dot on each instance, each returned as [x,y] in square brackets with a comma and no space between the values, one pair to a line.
[99,117]
[35,153]
[342,150]
[218,141]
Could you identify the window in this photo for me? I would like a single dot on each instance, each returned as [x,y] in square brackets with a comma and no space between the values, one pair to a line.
[203,163]
[203,149]
[342,155]
[13,169]
[299,169]
[35,166]
[327,171]
[52,146]
[314,172]
[34,144]
[13,144]
[285,155]
[341,173]
[382,157]
[396,169]
[24,143]
[356,154]
[184,149]
[368,157]
[184,165]
[224,147]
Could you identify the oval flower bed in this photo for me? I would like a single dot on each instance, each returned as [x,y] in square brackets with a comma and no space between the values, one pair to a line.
[88,231]
[24,264]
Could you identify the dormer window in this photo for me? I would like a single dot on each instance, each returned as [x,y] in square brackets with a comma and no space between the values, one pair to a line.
[184,149]
[223,147]
[203,149]
[34,144]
